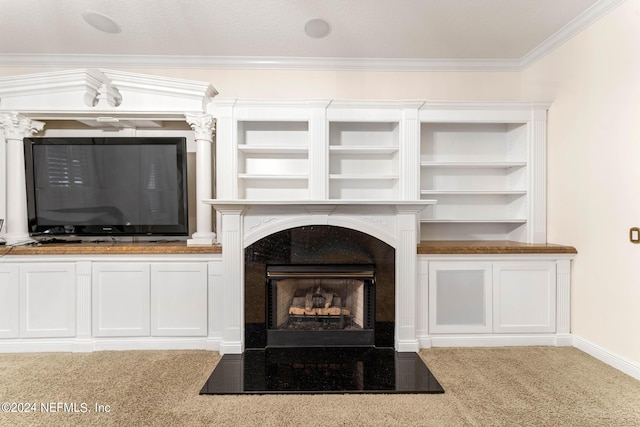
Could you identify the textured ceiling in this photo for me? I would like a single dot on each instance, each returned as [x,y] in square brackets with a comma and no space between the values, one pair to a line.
[380,29]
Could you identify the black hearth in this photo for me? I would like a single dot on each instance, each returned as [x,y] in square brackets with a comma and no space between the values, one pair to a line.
[321,370]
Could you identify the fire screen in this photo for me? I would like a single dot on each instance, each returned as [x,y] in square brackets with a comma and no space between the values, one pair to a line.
[320,305]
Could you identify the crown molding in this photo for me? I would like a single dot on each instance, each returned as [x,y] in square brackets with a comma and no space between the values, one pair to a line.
[582,21]
[56,61]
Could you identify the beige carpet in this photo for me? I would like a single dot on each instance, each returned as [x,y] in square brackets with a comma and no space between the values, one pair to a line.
[532,386]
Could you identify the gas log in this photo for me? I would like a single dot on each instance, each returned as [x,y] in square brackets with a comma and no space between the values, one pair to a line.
[316,301]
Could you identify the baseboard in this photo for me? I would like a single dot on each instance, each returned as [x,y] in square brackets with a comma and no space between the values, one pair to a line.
[231,347]
[53,345]
[407,346]
[491,340]
[611,359]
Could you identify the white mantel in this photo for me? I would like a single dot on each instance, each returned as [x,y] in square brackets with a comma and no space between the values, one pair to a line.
[246,221]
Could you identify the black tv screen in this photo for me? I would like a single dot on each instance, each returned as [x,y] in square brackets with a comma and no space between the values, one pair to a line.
[106,186]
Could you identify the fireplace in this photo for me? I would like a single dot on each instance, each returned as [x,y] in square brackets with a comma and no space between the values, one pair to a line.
[353,269]
[321,305]
[372,352]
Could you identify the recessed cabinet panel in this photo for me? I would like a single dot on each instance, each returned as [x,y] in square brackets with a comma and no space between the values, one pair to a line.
[524,297]
[120,295]
[9,297]
[459,297]
[179,299]
[47,300]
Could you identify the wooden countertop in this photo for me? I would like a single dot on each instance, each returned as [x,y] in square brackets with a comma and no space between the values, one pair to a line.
[470,247]
[110,248]
[426,247]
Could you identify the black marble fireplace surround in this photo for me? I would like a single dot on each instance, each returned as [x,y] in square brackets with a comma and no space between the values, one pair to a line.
[324,367]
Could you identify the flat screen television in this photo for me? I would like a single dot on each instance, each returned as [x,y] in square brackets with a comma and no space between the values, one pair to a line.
[106,186]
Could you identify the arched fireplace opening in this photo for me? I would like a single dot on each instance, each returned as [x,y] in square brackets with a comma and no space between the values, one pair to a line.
[305,254]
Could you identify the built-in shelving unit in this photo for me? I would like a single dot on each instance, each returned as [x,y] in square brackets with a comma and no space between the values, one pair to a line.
[363,160]
[484,163]
[273,159]
[480,173]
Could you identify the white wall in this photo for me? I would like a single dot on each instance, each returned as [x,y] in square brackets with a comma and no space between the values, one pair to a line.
[302,84]
[594,173]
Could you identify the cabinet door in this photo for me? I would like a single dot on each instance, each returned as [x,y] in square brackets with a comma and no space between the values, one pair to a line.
[460,297]
[120,299]
[179,299]
[47,300]
[9,297]
[524,297]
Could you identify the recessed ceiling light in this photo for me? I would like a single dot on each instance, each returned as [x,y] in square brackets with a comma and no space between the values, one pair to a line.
[317,28]
[101,22]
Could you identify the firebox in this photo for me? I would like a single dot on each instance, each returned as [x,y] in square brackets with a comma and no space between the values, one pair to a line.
[320,305]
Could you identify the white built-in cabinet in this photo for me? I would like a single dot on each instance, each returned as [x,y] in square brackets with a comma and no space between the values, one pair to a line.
[460,297]
[9,301]
[106,303]
[37,300]
[484,163]
[149,299]
[179,299]
[120,299]
[467,297]
[524,297]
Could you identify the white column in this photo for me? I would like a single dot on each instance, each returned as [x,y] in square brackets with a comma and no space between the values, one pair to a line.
[318,151]
[16,127]
[537,223]
[410,151]
[214,305]
[231,304]
[203,126]
[563,303]
[406,279]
